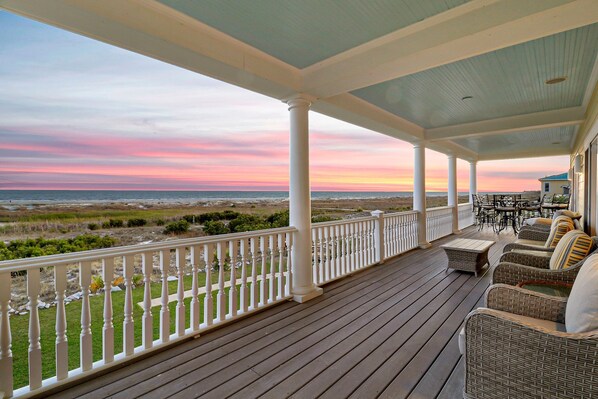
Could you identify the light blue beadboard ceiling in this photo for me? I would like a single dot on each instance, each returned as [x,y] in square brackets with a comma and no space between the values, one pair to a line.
[558,137]
[303,32]
[506,82]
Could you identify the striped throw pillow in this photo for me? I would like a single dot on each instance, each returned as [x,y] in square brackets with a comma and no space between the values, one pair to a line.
[556,233]
[572,248]
[562,219]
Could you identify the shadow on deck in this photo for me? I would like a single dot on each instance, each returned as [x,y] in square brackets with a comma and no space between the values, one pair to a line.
[389,331]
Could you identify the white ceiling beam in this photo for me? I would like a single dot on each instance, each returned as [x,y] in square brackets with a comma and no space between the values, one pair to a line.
[450,148]
[511,124]
[150,28]
[475,28]
[527,153]
[354,110]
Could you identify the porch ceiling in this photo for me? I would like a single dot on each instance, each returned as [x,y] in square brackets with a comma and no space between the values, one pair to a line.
[398,67]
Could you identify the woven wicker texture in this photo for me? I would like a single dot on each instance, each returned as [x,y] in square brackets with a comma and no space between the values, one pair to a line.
[533,234]
[514,245]
[506,358]
[526,303]
[513,274]
[542,262]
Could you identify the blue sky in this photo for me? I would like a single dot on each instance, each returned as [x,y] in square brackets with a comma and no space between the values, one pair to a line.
[80,114]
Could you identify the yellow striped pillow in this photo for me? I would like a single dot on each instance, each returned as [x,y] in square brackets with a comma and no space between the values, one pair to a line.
[572,248]
[557,232]
[562,219]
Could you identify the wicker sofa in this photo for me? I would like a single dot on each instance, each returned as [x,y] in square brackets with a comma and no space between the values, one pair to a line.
[518,347]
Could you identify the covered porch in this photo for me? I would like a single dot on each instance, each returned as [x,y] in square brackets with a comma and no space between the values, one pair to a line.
[389,331]
[372,308]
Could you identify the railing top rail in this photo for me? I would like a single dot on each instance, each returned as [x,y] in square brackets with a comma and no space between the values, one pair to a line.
[95,254]
[394,214]
[343,221]
[465,204]
[439,208]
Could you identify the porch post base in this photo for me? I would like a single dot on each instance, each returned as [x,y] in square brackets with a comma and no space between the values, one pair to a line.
[457,231]
[425,245]
[301,298]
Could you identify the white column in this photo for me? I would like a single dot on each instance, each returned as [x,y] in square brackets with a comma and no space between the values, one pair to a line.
[379,236]
[304,288]
[452,192]
[419,192]
[473,180]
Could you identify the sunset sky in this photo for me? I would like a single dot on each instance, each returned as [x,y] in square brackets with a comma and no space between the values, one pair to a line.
[79,114]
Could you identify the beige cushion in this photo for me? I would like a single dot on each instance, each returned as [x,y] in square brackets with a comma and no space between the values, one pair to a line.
[534,221]
[582,306]
[568,213]
[545,254]
[523,241]
[572,248]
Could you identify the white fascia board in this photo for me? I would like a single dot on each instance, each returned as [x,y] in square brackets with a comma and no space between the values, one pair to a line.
[510,124]
[475,28]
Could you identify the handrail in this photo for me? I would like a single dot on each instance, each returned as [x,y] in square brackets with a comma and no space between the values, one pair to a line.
[83,256]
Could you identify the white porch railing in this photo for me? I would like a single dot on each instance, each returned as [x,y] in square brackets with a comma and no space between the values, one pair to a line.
[400,233]
[342,247]
[465,215]
[439,222]
[231,274]
[217,279]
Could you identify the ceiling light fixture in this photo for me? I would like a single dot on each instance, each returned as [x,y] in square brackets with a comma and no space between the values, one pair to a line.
[466,98]
[554,81]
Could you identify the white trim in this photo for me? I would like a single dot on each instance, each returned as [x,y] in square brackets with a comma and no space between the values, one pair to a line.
[591,85]
[510,124]
[528,153]
[475,28]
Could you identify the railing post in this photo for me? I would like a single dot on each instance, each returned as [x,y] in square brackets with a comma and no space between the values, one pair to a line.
[6,381]
[304,288]
[419,193]
[453,200]
[379,236]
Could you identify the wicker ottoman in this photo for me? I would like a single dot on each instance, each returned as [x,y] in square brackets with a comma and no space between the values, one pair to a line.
[467,254]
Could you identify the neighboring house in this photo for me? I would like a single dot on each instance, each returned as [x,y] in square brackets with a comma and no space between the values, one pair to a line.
[555,184]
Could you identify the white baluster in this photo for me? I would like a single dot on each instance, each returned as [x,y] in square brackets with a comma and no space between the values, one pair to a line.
[195,259]
[128,327]
[343,232]
[180,293]
[108,327]
[315,267]
[271,282]
[332,252]
[86,343]
[164,310]
[244,294]
[35,349]
[5,337]
[147,320]
[327,251]
[264,281]
[289,279]
[338,254]
[280,288]
[221,296]
[232,292]
[254,284]
[322,258]
[208,302]
[62,351]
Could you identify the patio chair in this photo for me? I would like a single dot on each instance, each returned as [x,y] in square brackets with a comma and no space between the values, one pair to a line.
[527,269]
[572,248]
[531,345]
[537,240]
[543,224]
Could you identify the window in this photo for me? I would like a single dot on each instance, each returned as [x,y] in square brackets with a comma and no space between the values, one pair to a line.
[546,187]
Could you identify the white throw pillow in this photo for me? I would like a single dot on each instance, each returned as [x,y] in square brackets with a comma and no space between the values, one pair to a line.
[582,306]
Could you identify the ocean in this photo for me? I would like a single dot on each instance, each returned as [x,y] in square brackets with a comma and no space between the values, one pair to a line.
[28,197]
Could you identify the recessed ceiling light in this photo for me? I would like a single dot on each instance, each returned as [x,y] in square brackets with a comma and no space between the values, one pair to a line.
[554,81]
[466,98]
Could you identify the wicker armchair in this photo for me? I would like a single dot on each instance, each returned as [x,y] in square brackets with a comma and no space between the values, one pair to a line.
[516,348]
[517,267]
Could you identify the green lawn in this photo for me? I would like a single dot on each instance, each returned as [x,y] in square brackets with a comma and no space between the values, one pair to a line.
[20,325]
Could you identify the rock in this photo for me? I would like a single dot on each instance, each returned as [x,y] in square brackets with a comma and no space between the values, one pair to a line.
[41,305]
[172,278]
[115,289]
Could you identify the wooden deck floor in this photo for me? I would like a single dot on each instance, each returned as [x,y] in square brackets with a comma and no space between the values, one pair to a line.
[388,332]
